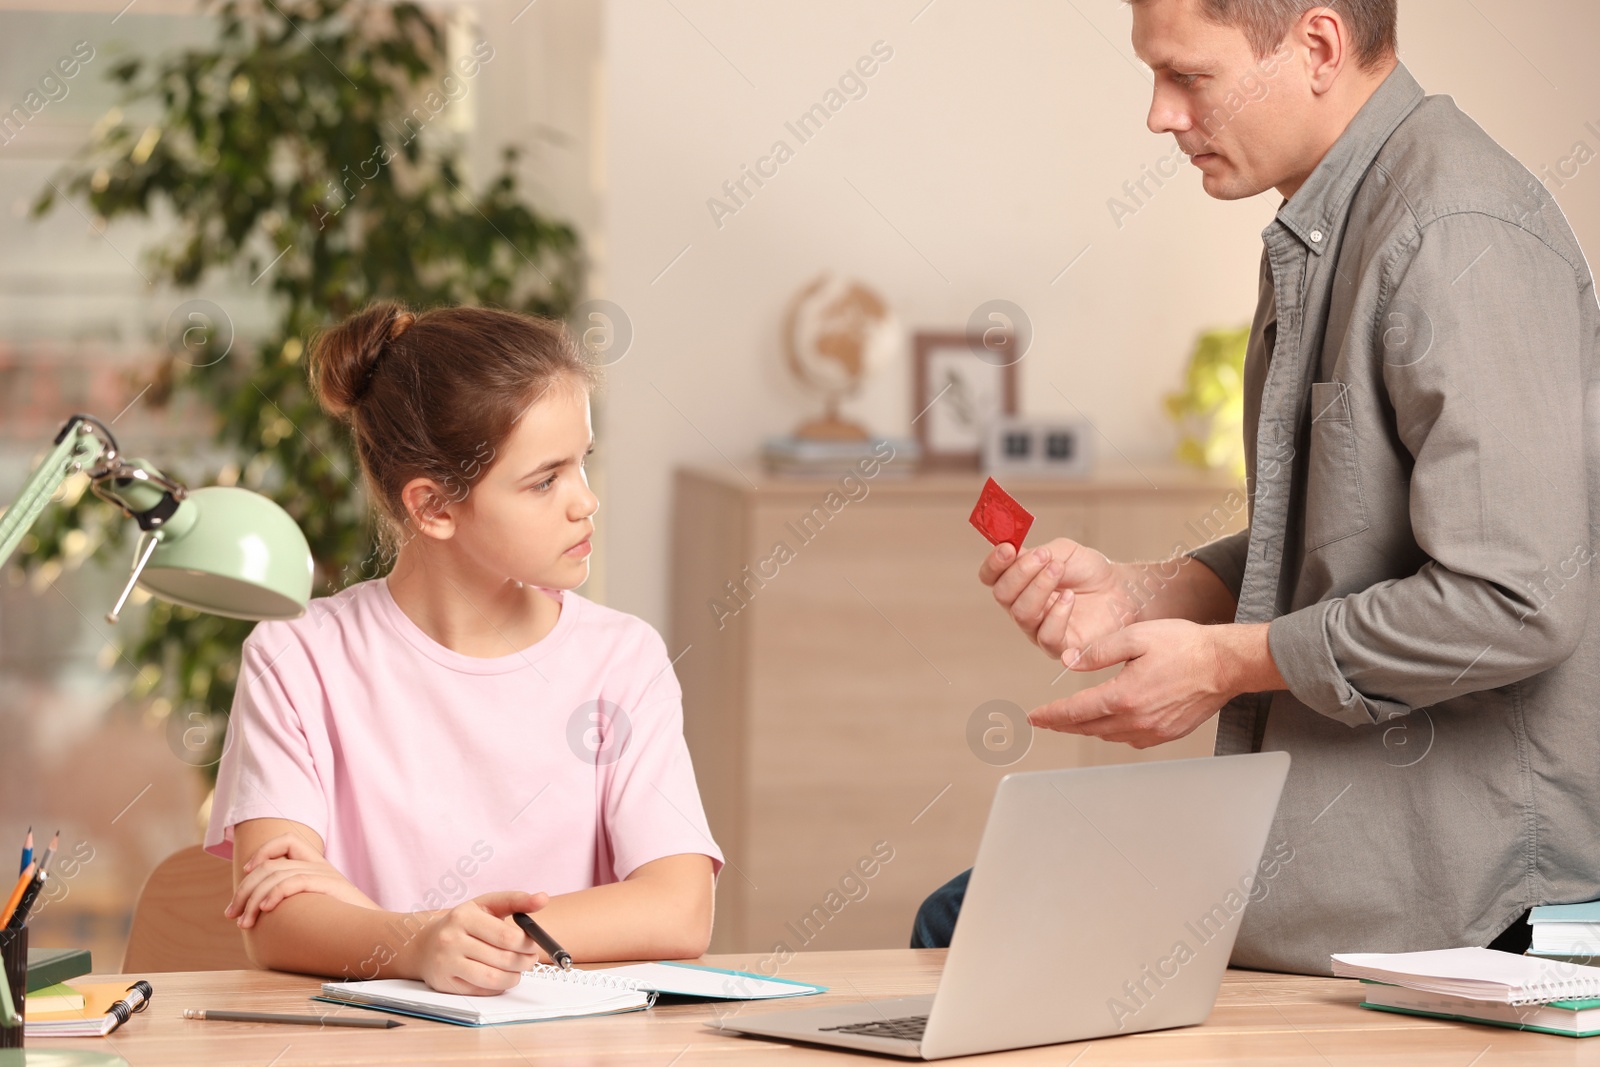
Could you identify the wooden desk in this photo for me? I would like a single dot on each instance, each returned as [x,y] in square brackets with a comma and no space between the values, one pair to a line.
[1264,1019]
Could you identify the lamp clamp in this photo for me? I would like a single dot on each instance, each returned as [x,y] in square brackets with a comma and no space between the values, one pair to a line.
[142,492]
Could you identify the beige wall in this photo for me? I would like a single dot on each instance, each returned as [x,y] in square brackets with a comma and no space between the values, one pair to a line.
[978,165]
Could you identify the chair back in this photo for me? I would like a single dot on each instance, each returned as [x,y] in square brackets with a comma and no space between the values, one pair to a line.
[178,923]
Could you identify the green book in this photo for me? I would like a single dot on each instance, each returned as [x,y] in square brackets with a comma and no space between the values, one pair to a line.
[1568,1018]
[52,966]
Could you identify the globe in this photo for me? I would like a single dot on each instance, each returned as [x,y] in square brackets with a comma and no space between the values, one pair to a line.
[838,332]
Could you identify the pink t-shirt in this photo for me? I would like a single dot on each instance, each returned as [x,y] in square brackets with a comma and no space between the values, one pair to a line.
[434,777]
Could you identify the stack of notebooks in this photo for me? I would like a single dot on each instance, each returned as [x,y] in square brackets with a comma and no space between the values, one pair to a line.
[1567,932]
[1480,985]
[77,1010]
[55,1009]
[551,993]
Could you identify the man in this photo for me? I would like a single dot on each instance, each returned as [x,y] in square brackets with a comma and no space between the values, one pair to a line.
[1409,603]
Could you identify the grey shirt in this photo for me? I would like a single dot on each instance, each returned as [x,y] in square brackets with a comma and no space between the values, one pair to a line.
[1422,524]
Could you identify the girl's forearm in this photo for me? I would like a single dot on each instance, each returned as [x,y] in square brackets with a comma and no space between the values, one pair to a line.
[313,933]
[664,912]
[643,919]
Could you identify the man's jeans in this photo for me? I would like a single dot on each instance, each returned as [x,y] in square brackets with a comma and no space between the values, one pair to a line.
[936,919]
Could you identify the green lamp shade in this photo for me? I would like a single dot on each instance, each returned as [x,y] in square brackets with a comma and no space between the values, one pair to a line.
[228,551]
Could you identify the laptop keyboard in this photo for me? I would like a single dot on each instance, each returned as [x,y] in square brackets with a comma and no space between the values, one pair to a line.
[907,1029]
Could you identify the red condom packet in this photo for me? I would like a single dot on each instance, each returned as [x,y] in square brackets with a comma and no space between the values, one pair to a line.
[1000,518]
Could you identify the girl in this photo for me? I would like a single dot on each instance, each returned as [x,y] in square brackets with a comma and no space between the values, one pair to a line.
[419,756]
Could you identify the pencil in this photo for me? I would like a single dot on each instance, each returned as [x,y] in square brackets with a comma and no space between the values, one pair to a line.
[27,851]
[19,918]
[279,1017]
[49,853]
[16,895]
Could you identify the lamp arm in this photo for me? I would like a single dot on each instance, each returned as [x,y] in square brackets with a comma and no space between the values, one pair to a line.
[77,448]
[252,562]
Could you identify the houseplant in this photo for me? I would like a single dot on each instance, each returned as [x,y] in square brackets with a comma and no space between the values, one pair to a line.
[1209,410]
[304,153]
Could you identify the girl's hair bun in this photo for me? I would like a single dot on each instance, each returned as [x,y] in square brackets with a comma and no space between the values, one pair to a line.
[434,394]
[344,358]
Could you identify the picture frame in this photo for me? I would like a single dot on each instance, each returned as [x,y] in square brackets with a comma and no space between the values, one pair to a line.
[961,383]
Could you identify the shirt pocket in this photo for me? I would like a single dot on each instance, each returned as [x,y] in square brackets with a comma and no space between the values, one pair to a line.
[1334,505]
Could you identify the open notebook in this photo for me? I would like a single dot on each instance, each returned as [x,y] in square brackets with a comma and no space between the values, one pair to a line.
[544,993]
[1476,973]
[551,993]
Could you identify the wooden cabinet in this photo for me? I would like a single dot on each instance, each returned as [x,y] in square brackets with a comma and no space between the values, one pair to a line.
[837,654]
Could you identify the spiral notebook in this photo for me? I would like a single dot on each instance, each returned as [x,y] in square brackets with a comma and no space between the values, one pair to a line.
[1475,973]
[91,1020]
[1569,1018]
[544,993]
[551,993]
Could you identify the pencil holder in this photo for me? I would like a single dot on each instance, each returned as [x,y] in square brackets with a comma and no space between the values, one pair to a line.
[14,958]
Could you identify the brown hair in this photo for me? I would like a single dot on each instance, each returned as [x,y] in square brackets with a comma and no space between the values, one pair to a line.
[1374,24]
[433,394]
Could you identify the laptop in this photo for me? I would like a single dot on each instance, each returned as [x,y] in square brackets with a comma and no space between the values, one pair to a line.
[1104,901]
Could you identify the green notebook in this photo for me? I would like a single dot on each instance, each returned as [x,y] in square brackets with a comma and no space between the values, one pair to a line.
[1569,1018]
[52,966]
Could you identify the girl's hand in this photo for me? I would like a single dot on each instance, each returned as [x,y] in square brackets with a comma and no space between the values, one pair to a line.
[475,948]
[279,869]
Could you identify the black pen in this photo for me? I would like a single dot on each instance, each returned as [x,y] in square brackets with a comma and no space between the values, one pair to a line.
[558,955]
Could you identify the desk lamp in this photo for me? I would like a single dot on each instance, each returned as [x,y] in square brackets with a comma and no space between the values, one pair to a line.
[221,549]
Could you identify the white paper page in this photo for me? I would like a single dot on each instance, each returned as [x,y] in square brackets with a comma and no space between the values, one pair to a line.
[536,997]
[1474,971]
[699,982]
